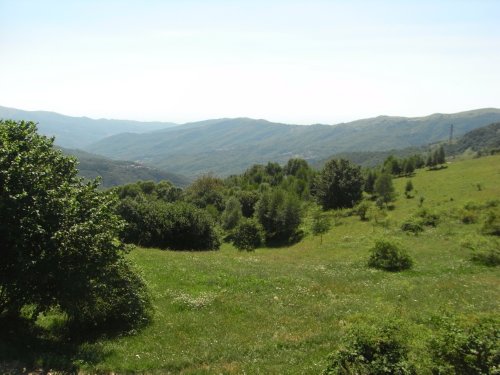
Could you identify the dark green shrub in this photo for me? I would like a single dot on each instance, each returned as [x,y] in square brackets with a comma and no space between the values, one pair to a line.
[177,226]
[485,250]
[248,235]
[491,223]
[468,216]
[490,257]
[118,300]
[467,347]
[371,350]
[412,225]
[427,217]
[362,209]
[388,256]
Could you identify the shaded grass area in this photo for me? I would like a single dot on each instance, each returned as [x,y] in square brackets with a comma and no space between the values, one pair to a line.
[283,310]
[26,347]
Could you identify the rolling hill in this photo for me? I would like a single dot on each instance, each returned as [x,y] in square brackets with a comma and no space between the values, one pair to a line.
[228,146]
[77,132]
[119,172]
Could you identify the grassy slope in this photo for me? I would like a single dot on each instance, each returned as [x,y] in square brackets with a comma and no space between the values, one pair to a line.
[283,310]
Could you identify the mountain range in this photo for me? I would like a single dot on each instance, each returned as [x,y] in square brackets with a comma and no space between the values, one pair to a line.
[78,132]
[230,145]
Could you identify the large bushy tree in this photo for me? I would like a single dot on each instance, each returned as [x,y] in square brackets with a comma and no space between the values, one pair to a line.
[339,184]
[280,214]
[384,188]
[59,242]
[176,226]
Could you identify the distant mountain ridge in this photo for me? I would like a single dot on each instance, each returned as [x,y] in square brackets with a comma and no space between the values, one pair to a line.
[228,146]
[78,132]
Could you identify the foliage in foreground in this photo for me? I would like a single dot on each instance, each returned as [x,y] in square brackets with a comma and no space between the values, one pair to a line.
[388,256]
[60,246]
[465,347]
[374,350]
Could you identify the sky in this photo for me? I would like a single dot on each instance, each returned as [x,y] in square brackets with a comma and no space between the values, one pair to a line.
[299,62]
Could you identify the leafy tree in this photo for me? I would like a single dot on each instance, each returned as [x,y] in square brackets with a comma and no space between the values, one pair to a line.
[339,184]
[392,166]
[294,167]
[280,215]
[320,225]
[384,188]
[248,199]
[232,213]
[369,186]
[430,162]
[248,234]
[440,155]
[408,188]
[274,173]
[206,190]
[59,238]
[408,167]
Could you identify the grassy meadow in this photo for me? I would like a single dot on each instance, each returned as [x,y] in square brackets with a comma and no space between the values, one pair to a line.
[283,310]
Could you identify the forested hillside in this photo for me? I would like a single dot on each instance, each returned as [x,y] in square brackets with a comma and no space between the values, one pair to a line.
[230,146]
[485,139]
[119,172]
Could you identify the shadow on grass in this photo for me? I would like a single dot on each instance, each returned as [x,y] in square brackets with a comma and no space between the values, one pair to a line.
[286,242]
[26,347]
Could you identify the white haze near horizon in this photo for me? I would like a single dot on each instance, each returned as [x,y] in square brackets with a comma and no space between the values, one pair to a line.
[296,62]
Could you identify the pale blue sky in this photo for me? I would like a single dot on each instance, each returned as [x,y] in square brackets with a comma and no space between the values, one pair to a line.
[290,61]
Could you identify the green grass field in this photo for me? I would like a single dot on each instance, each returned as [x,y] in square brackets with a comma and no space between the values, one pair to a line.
[283,310]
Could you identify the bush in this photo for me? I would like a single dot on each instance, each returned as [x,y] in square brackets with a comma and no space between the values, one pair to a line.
[462,347]
[119,300]
[177,226]
[468,216]
[248,235]
[491,224]
[412,225]
[485,250]
[362,209]
[371,350]
[427,217]
[388,256]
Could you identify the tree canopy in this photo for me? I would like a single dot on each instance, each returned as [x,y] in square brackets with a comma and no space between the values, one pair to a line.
[339,184]
[59,237]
